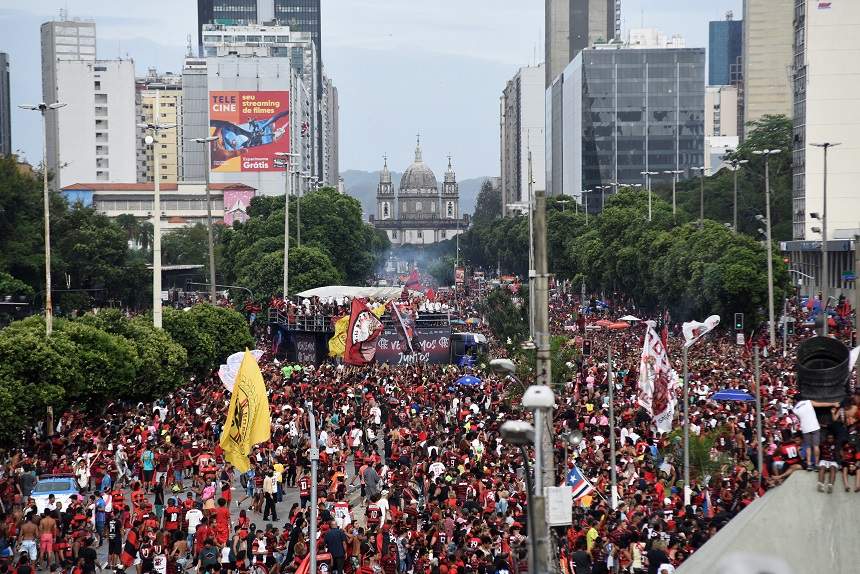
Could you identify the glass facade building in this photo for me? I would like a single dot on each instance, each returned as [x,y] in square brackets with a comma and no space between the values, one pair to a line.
[625,111]
[725,46]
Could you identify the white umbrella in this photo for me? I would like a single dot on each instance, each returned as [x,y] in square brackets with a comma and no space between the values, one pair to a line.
[629,318]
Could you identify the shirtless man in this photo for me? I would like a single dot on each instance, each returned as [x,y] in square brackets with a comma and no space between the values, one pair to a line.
[47,532]
[29,534]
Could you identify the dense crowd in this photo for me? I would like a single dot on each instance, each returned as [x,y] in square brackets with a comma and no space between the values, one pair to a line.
[414,476]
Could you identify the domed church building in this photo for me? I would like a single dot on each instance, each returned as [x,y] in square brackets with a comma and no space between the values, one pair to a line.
[419,212]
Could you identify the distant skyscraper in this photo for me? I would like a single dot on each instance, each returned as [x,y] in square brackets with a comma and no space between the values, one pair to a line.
[522,130]
[725,46]
[572,25]
[65,40]
[611,129]
[768,56]
[5,107]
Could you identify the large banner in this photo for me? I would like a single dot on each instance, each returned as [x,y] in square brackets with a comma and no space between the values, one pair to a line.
[251,127]
[236,202]
[431,344]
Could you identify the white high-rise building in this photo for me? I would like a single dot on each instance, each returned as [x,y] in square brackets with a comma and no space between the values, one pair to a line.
[521,124]
[96,133]
[62,40]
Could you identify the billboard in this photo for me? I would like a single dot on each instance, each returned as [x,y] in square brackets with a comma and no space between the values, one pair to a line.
[236,202]
[251,128]
[431,344]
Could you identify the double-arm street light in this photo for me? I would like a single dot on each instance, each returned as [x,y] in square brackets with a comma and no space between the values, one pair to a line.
[43,108]
[207,142]
[825,298]
[285,160]
[701,169]
[735,165]
[602,189]
[648,175]
[154,130]
[766,153]
[674,173]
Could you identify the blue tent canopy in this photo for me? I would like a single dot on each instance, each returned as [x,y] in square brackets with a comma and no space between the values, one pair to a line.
[732,395]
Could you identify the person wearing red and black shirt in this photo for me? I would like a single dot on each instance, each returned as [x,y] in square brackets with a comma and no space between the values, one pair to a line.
[849,466]
[828,463]
[305,489]
[173,516]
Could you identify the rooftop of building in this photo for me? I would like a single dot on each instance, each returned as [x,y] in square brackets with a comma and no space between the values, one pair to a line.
[172,186]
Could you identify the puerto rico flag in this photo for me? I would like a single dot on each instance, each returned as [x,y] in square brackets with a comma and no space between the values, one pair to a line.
[578,484]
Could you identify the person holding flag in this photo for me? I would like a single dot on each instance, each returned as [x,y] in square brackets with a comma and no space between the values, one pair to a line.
[248,417]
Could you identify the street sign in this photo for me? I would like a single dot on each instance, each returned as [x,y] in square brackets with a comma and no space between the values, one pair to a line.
[559,505]
[739,339]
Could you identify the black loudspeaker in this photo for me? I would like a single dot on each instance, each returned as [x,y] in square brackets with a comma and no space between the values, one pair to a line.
[822,369]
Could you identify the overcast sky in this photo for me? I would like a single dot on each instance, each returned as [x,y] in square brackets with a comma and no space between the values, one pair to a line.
[400,66]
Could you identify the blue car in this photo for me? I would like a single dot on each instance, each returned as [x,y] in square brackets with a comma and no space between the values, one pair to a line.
[62,486]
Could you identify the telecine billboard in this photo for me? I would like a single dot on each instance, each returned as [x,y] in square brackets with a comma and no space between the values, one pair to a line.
[251,128]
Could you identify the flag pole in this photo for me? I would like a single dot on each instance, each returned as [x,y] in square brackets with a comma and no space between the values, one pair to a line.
[612,469]
[686,432]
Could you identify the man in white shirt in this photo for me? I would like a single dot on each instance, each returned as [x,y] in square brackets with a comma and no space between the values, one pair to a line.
[805,412]
[194,517]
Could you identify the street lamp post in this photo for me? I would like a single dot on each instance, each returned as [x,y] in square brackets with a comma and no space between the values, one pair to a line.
[314,456]
[152,139]
[824,271]
[563,203]
[43,108]
[735,165]
[674,173]
[521,434]
[767,153]
[585,195]
[602,189]
[648,175]
[701,170]
[286,162]
[207,141]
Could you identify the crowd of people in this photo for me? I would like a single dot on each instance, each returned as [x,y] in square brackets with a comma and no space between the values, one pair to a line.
[413,475]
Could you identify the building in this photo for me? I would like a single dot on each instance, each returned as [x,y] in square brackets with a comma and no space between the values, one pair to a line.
[5,107]
[266,73]
[826,105]
[182,204]
[639,38]
[573,25]
[767,58]
[97,135]
[164,91]
[725,49]
[419,213]
[522,131]
[331,135]
[604,129]
[63,40]
[721,124]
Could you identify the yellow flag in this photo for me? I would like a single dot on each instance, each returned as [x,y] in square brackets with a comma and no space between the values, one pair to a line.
[337,344]
[248,418]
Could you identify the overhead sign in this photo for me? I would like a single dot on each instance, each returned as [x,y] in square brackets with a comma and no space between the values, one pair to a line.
[251,128]
[849,276]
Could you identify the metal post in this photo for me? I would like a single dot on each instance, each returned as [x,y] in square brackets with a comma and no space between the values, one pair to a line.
[531,253]
[825,277]
[674,205]
[299,195]
[686,431]
[772,326]
[735,212]
[785,327]
[156,220]
[759,452]
[612,470]
[212,293]
[857,302]
[49,305]
[649,196]
[539,425]
[314,456]
[702,201]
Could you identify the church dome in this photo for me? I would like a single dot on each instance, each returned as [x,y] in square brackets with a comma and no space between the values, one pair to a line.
[418,175]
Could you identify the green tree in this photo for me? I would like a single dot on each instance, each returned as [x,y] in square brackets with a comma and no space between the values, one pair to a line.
[190,246]
[504,318]
[442,270]
[488,205]
[199,345]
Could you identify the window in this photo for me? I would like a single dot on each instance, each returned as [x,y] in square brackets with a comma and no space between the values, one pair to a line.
[418,206]
[450,209]
[442,234]
[163,156]
[419,234]
[97,85]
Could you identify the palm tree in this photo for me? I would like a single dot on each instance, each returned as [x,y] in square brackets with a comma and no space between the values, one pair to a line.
[131,226]
[145,236]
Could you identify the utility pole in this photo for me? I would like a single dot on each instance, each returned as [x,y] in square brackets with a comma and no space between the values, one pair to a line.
[44,108]
[543,367]
[701,170]
[771,327]
[285,160]
[735,165]
[531,204]
[825,296]
[674,173]
[314,456]
[207,142]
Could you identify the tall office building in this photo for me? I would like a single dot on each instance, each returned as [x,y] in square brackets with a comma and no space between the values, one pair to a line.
[624,111]
[165,92]
[725,48]
[721,124]
[63,40]
[522,131]
[195,117]
[573,25]
[97,131]
[331,135]
[5,107]
[767,58]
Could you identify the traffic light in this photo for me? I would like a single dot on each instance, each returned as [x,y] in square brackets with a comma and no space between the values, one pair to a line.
[586,348]
[739,321]
[790,328]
